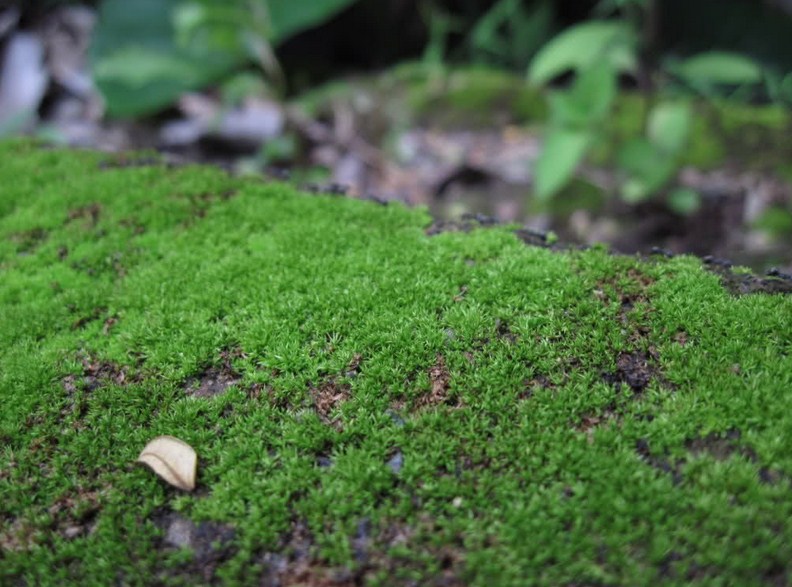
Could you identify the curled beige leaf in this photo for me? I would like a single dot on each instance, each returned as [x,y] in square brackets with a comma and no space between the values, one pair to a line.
[172,459]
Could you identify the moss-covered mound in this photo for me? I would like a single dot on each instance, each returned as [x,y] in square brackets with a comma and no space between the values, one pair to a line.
[371,405]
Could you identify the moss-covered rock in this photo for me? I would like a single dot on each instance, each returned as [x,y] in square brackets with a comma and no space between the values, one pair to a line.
[371,405]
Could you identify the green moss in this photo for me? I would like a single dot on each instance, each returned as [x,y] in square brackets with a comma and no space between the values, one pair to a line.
[469,97]
[404,409]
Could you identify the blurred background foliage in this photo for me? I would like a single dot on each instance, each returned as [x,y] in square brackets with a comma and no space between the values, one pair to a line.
[644,88]
[143,57]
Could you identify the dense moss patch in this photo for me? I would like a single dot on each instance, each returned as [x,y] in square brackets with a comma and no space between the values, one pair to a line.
[371,404]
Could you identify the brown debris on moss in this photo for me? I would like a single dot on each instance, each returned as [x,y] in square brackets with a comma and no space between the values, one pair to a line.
[97,373]
[440,379]
[90,213]
[327,397]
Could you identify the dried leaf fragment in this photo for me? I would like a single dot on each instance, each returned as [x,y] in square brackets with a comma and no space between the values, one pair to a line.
[172,459]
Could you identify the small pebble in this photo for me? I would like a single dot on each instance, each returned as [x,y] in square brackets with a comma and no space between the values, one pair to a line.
[396,462]
[395,418]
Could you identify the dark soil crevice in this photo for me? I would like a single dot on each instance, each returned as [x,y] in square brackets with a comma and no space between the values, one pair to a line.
[98,373]
[636,366]
[215,379]
[211,543]
[28,241]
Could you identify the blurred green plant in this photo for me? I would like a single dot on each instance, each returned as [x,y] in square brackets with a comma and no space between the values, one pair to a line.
[776,221]
[144,57]
[598,52]
[510,32]
[506,34]
[585,45]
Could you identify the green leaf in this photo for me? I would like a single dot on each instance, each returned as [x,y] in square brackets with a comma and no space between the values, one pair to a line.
[684,201]
[136,63]
[136,67]
[581,46]
[289,17]
[638,156]
[566,111]
[562,153]
[486,34]
[596,88]
[144,57]
[588,101]
[668,126]
[720,68]
[208,24]
[647,168]
[510,32]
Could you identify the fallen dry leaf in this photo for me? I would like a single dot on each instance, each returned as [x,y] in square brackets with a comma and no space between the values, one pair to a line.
[172,459]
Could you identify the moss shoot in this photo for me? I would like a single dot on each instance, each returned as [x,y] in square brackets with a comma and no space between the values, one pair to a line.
[370,404]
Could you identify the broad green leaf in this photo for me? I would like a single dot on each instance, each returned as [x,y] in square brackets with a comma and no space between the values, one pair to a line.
[684,201]
[136,63]
[562,153]
[136,67]
[145,56]
[584,45]
[668,126]
[720,67]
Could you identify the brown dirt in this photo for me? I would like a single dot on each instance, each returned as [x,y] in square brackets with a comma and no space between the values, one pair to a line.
[440,379]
